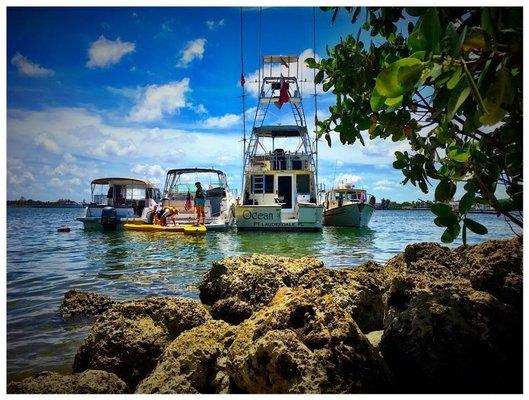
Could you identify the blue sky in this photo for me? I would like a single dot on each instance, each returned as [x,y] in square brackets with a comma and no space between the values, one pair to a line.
[98,92]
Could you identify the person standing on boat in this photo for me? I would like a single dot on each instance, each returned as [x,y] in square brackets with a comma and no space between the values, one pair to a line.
[200,202]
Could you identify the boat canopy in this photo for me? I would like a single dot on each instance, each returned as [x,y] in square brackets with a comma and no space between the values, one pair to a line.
[122,181]
[194,170]
[275,131]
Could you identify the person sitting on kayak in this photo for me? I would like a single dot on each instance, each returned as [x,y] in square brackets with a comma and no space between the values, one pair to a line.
[200,202]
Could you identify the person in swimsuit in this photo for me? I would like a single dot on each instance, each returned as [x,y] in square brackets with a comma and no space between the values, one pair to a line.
[200,202]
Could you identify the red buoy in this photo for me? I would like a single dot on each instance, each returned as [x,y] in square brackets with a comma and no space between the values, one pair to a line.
[63,229]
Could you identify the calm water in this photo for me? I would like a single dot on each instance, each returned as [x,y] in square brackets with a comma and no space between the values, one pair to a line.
[43,264]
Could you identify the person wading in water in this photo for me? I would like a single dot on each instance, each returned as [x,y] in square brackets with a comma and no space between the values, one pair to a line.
[200,202]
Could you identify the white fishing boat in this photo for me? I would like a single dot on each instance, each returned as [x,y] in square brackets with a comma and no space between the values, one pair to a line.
[279,186]
[116,201]
[348,206]
[179,191]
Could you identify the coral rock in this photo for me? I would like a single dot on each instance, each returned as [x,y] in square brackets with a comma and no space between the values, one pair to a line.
[90,381]
[250,282]
[78,304]
[303,342]
[128,338]
[195,362]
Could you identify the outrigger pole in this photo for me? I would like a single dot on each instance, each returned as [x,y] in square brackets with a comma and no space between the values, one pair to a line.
[243,106]
[315,99]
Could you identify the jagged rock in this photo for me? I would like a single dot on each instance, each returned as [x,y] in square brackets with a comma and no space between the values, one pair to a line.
[415,269]
[78,304]
[129,337]
[232,310]
[195,362]
[303,342]
[495,266]
[250,281]
[90,381]
[357,290]
[453,339]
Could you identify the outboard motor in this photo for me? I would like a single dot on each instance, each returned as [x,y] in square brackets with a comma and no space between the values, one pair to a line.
[109,219]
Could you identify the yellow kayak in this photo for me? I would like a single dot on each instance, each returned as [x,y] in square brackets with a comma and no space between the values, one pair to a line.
[194,230]
[153,228]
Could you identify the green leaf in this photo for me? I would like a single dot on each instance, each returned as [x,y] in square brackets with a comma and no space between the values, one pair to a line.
[457,98]
[450,39]
[476,227]
[454,80]
[376,101]
[458,154]
[476,39]
[457,50]
[419,55]
[432,30]
[319,77]
[500,92]
[399,164]
[327,86]
[393,102]
[356,14]
[445,221]
[311,62]
[442,210]
[486,21]
[466,202]
[399,77]
[451,233]
[445,190]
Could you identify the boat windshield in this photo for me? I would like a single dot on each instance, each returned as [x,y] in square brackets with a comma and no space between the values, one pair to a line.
[181,183]
[118,194]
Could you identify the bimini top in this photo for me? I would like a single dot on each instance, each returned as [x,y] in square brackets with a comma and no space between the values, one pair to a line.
[122,181]
[194,170]
[280,131]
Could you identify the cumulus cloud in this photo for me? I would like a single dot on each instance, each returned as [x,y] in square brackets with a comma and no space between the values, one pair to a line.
[29,68]
[47,144]
[348,179]
[213,25]
[224,121]
[148,170]
[17,174]
[112,147]
[193,50]
[157,100]
[103,52]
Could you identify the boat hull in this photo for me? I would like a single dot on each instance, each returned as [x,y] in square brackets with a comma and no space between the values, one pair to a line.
[352,215]
[269,218]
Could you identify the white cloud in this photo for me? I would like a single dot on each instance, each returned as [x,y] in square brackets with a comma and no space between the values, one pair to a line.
[348,179]
[225,121]
[47,144]
[201,109]
[17,174]
[305,72]
[148,170]
[212,25]
[60,183]
[157,100]
[29,68]
[103,52]
[193,50]
[113,147]
[69,158]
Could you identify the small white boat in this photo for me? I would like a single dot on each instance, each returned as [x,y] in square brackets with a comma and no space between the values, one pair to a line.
[179,191]
[279,188]
[348,206]
[116,201]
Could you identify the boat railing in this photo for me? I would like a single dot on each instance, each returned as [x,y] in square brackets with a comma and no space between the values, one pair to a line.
[282,161]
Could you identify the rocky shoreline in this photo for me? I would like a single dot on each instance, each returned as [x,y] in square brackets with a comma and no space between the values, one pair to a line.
[431,320]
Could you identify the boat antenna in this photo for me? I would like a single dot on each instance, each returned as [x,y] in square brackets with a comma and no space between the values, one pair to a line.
[315,93]
[334,176]
[243,101]
[259,54]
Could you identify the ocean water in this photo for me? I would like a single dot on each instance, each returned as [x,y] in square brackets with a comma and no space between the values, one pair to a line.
[43,264]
